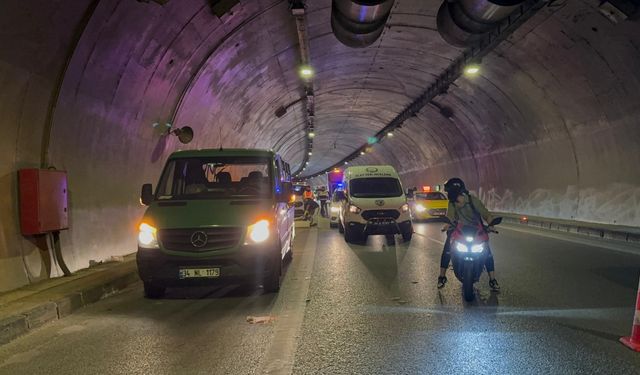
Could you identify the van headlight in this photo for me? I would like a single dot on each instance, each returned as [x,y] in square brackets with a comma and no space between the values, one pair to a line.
[257,233]
[354,209]
[404,207]
[420,208]
[148,237]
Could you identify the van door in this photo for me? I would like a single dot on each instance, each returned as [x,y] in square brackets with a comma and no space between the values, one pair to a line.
[284,213]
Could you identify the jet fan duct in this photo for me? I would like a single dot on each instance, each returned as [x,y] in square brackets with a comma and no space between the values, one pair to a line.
[463,22]
[359,23]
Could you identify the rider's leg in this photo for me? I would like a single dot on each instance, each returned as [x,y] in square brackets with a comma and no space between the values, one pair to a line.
[491,268]
[490,265]
[445,258]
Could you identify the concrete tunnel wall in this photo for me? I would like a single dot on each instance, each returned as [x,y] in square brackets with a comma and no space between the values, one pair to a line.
[549,128]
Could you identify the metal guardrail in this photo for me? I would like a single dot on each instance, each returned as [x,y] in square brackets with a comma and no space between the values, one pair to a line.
[597,230]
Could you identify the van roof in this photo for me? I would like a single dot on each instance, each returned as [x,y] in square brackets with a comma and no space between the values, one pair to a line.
[370,171]
[221,152]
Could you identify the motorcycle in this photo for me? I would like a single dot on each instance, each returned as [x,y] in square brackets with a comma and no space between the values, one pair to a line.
[469,244]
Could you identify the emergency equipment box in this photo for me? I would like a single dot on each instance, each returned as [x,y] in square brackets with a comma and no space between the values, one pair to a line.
[43,201]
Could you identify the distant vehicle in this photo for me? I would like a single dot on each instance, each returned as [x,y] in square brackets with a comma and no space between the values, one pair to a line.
[429,205]
[334,208]
[216,216]
[374,204]
[298,199]
[334,180]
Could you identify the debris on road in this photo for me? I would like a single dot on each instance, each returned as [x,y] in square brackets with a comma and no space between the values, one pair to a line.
[260,319]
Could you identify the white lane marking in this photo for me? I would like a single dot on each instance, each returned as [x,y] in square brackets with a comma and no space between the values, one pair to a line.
[289,310]
[429,238]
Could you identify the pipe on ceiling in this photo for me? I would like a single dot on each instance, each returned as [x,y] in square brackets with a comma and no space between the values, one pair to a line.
[464,22]
[359,23]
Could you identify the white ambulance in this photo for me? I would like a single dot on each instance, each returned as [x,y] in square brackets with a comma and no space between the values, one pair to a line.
[374,203]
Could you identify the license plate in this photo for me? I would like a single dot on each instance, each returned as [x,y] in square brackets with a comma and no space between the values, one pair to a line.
[186,273]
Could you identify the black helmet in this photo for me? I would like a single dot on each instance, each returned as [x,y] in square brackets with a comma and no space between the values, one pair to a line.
[454,187]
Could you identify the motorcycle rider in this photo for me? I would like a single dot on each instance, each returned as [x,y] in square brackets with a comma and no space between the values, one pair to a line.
[468,209]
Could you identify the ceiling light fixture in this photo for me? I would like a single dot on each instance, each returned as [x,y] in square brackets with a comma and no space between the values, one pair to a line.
[471,70]
[306,72]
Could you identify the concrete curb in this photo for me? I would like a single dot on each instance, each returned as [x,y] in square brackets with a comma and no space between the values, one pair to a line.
[57,303]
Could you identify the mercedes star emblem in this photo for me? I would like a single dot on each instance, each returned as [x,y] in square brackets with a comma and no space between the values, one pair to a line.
[199,239]
[379,202]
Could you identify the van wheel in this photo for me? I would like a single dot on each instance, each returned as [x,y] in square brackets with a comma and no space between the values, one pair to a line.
[271,283]
[340,227]
[153,291]
[350,236]
[391,239]
[289,255]
[406,236]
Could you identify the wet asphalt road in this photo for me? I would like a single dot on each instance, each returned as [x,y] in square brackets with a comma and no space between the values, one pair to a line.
[348,309]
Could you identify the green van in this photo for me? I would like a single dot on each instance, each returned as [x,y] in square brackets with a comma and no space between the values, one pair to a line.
[216,216]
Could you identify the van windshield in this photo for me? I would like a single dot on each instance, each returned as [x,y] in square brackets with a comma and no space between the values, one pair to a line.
[376,187]
[215,178]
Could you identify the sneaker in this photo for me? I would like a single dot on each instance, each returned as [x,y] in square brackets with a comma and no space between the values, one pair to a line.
[494,285]
[442,280]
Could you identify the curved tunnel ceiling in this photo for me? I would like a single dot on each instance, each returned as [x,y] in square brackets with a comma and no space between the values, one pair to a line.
[225,77]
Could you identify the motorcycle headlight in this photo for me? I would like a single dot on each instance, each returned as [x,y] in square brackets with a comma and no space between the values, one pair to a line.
[462,247]
[420,208]
[404,207]
[258,232]
[147,237]
[469,239]
[477,248]
[354,209]
[335,209]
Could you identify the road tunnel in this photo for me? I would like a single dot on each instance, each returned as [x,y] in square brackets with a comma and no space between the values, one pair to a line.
[547,127]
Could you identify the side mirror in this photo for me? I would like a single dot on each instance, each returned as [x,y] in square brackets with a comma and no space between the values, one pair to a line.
[284,196]
[495,221]
[146,196]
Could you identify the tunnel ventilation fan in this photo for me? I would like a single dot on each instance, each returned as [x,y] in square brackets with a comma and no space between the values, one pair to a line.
[464,22]
[359,23]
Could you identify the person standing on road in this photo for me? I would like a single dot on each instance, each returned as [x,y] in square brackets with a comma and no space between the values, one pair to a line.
[468,209]
[323,196]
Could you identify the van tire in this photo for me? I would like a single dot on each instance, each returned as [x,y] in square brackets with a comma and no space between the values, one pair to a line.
[406,236]
[350,236]
[391,239]
[153,291]
[271,283]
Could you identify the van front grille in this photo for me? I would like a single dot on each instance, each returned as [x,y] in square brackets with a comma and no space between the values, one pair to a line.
[199,239]
[380,214]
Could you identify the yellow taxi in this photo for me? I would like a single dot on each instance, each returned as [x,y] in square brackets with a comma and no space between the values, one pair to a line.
[429,205]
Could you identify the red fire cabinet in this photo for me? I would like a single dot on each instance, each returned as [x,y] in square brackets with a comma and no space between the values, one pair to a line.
[43,200]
